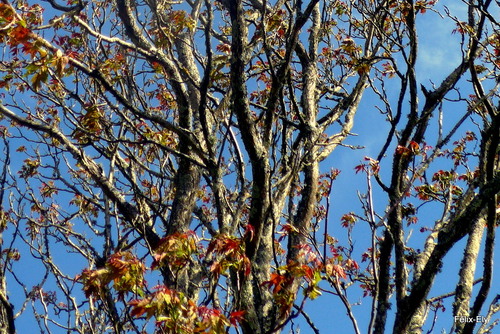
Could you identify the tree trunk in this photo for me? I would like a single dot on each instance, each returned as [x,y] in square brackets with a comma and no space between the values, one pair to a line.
[6,315]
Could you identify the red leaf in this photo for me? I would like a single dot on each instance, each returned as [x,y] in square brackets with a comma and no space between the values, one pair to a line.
[414,147]
[277,281]
[360,168]
[348,220]
[138,308]
[236,316]
[249,232]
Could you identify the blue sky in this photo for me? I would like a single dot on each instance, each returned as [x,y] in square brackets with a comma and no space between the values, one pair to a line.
[438,55]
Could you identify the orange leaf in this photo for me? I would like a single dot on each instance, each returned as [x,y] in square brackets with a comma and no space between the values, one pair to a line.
[19,35]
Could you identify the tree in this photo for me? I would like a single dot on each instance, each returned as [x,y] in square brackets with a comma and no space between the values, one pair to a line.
[164,163]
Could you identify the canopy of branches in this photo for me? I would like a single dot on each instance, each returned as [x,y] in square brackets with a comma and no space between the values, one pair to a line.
[171,166]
